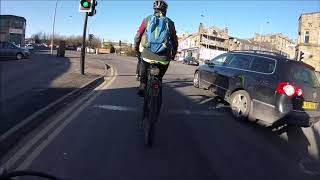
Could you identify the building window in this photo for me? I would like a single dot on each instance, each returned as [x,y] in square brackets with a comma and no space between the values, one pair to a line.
[306,37]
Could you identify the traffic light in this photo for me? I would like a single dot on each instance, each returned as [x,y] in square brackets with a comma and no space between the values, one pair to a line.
[93,10]
[85,6]
[301,55]
[120,43]
[91,36]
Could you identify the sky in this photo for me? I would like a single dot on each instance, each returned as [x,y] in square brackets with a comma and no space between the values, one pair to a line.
[119,19]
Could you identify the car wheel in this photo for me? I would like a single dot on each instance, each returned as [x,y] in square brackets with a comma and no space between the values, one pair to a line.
[196,80]
[19,56]
[240,103]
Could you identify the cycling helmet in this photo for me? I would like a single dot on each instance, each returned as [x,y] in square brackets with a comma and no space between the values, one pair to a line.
[160,4]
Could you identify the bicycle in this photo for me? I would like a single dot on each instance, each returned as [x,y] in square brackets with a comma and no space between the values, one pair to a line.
[152,103]
[4,175]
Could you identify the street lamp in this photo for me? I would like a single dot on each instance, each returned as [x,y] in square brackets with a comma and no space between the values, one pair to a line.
[261,31]
[209,23]
[54,21]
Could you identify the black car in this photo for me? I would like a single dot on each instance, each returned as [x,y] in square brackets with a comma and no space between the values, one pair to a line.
[190,60]
[9,50]
[263,86]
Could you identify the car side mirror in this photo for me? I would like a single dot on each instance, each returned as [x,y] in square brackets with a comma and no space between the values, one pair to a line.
[207,61]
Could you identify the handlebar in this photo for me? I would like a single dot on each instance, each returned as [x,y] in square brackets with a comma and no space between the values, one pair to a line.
[4,175]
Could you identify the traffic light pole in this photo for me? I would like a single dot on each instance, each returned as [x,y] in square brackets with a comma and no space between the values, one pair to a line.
[83,48]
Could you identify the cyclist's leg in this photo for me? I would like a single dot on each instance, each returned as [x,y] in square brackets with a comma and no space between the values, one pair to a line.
[138,66]
[143,77]
[163,69]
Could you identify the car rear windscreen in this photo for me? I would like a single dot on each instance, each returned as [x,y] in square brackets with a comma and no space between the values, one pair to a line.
[302,74]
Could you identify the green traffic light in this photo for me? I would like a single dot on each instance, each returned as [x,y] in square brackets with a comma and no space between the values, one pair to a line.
[85,4]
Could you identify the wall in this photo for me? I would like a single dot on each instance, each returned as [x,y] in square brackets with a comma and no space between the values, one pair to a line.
[209,53]
[310,22]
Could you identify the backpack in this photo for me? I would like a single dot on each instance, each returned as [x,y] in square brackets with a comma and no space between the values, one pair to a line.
[157,34]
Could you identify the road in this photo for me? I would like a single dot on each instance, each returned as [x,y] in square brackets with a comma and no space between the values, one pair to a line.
[196,136]
[30,84]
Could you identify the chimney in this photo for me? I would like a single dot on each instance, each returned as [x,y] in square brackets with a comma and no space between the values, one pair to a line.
[226,30]
[201,28]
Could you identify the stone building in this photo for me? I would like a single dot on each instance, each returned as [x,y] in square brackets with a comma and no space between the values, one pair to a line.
[309,39]
[204,44]
[277,42]
[13,29]
[249,44]
[246,44]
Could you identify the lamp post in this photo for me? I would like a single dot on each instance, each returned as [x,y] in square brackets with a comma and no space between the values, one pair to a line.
[54,21]
[261,31]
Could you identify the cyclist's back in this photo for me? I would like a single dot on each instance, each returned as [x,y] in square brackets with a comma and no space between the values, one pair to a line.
[158,38]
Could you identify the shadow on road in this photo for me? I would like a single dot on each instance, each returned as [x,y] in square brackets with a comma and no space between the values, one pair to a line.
[293,141]
[189,143]
[25,87]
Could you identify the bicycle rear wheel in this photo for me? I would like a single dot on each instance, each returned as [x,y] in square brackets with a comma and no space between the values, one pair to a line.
[150,119]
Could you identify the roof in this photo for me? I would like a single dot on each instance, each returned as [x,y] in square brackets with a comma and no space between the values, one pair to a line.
[308,14]
[12,16]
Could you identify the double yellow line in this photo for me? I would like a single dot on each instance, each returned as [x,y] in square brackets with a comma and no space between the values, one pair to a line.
[56,126]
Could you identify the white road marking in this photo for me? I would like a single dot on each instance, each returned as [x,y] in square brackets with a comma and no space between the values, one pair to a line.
[178,112]
[21,152]
[116,108]
[206,100]
[201,113]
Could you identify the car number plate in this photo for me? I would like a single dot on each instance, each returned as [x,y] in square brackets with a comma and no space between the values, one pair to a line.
[309,105]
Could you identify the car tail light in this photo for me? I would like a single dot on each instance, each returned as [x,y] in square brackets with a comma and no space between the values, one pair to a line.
[289,89]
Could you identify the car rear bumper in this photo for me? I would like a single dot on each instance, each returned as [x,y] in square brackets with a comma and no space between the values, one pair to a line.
[271,114]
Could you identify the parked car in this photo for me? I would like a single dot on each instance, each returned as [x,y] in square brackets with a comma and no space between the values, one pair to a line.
[190,60]
[30,46]
[9,50]
[71,48]
[263,86]
[79,48]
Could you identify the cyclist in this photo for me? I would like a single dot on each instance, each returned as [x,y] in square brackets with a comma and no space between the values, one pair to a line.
[161,42]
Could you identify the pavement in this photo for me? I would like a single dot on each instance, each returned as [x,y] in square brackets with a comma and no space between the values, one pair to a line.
[30,84]
[98,137]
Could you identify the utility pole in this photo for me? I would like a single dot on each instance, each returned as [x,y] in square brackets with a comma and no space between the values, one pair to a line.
[83,48]
[54,22]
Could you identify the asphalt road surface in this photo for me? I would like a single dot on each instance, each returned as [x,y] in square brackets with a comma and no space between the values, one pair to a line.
[196,137]
[30,84]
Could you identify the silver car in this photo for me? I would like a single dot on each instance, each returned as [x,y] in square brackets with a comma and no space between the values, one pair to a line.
[9,50]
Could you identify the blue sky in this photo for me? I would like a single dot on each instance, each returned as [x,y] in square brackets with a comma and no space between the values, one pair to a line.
[119,19]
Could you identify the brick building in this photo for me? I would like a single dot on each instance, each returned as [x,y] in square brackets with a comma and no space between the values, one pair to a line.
[309,39]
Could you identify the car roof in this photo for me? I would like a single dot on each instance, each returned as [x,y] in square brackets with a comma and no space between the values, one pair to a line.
[262,53]
[301,63]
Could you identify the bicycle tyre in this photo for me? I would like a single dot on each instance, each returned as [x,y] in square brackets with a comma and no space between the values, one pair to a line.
[30,173]
[148,133]
[150,118]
